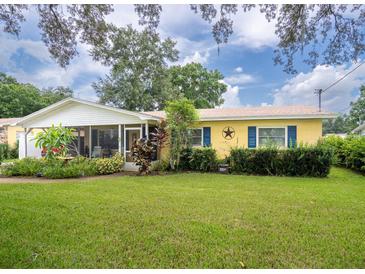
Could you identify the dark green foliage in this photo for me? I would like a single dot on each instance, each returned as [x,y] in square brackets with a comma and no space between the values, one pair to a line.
[202,86]
[24,167]
[348,152]
[59,168]
[185,156]
[9,152]
[18,99]
[204,159]
[347,122]
[4,152]
[300,161]
[139,60]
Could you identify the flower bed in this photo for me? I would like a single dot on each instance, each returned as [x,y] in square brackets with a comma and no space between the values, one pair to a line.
[60,168]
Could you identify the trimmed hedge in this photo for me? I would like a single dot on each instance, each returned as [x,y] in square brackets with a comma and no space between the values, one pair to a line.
[202,159]
[348,152]
[300,161]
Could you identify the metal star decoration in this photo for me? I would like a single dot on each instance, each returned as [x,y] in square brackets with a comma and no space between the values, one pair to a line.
[228,133]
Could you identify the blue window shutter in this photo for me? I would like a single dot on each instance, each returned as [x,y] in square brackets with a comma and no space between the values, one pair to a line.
[206,136]
[251,137]
[292,136]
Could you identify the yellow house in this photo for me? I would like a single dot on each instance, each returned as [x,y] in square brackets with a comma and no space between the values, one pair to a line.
[103,130]
[9,134]
[251,127]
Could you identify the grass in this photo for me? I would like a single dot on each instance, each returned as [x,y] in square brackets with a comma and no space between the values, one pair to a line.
[185,221]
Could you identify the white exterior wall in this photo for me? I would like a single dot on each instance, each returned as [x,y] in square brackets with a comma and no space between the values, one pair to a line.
[75,114]
[32,150]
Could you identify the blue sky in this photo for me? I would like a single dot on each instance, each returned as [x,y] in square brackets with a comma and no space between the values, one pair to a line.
[246,61]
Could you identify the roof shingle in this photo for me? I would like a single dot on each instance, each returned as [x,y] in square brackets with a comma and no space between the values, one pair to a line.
[255,112]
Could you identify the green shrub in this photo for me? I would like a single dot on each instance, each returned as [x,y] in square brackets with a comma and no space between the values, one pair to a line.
[9,152]
[24,167]
[14,151]
[300,161]
[109,165]
[305,161]
[185,157]
[204,159]
[4,152]
[57,169]
[161,165]
[348,152]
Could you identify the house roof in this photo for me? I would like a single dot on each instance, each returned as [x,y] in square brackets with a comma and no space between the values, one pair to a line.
[253,113]
[8,121]
[67,101]
[359,128]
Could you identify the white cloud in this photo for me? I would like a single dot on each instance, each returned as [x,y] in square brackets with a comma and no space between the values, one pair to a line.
[240,79]
[196,58]
[252,30]
[300,89]
[238,69]
[50,74]
[231,97]
[10,45]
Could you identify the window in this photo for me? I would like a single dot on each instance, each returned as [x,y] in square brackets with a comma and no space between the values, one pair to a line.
[272,136]
[196,137]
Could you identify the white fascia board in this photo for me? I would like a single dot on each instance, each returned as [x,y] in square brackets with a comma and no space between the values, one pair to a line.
[249,118]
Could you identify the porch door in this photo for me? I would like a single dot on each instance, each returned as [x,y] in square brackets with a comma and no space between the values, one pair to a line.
[131,135]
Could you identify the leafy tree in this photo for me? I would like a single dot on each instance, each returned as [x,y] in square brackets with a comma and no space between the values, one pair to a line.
[61,25]
[357,112]
[333,32]
[335,125]
[323,33]
[138,79]
[180,115]
[52,95]
[203,87]
[18,99]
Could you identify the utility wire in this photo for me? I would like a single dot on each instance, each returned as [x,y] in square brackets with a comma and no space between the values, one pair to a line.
[343,77]
[320,91]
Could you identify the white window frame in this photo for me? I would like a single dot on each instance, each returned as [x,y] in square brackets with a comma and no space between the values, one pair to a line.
[202,137]
[284,127]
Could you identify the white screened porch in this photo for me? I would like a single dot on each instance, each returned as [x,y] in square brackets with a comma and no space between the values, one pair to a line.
[100,131]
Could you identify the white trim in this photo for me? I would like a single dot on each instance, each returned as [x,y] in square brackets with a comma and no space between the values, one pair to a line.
[286,134]
[90,142]
[120,138]
[125,139]
[269,117]
[202,136]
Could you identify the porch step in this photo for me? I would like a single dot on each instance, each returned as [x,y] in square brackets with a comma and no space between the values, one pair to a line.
[128,166]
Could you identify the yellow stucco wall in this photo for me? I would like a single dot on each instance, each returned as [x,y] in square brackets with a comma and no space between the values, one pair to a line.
[12,134]
[12,130]
[308,132]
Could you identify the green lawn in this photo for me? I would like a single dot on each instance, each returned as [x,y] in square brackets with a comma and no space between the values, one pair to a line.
[185,221]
